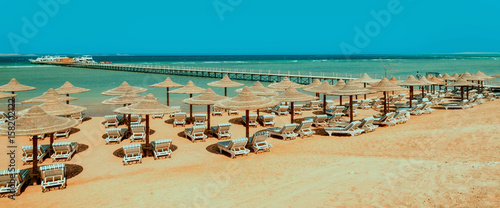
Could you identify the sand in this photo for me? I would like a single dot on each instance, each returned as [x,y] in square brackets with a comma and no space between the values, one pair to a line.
[445,159]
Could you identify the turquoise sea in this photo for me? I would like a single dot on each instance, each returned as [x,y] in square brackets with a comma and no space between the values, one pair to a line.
[44,77]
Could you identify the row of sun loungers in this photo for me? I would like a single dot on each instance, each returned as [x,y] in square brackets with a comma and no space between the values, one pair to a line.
[9,185]
[61,150]
[52,176]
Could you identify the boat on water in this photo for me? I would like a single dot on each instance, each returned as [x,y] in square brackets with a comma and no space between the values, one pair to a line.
[62,60]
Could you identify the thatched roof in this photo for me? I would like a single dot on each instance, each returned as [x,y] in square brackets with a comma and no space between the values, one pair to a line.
[147,106]
[437,81]
[68,88]
[351,88]
[461,82]
[54,107]
[209,97]
[366,79]
[14,86]
[386,86]
[469,76]
[122,89]
[167,83]
[128,98]
[315,83]
[47,95]
[6,95]
[448,77]
[339,84]
[482,75]
[259,89]
[424,80]
[325,87]
[247,100]
[292,95]
[225,82]
[393,80]
[284,84]
[411,81]
[190,88]
[36,121]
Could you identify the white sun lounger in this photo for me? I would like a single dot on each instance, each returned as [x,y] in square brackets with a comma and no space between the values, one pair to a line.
[135,119]
[13,185]
[197,132]
[318,120]
[297,108]
[63,133]
[217,111]
[222,130]
[53,176]
[115,135]
[179,119]
[461,105]
[28,153]
[138,132]
[234,147]
[385,120]
[64,150]
[258,142]
[112,120]
[200,119]
[351,129]
[133,152]
[172,114]
[161,148]
[252,120]
[285,132]
[304,129]
[367,124]
[281,110]
[266,120]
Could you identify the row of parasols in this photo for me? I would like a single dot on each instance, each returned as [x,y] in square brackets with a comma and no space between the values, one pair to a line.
[46,118]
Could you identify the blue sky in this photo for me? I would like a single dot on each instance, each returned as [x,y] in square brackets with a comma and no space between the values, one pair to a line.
[249,27]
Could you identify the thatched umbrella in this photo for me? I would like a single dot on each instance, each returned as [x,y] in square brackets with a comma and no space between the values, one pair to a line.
[456,76]
[35,122]
[53,106]
[168,83]
[247,100]
[128,98]
[483,76]
[350,89]
[461,82]
[315,83]
[122,89]
[225,82]
[15,86]
[6,95]
[339,85]
[190,89]
[292,95]
[209,97]
[386,86]
[324,88]
[259,89]
[437,82]
[496,75]
[447,78]
[67,88]
[411,82]
[365,79]
[393,80]
[148,106]
[429,83]
[47,95]
[284,84]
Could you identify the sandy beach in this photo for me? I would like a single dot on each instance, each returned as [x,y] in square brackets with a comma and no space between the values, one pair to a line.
[448,158]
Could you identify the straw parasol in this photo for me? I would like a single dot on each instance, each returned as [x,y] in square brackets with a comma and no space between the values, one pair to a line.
[259,89]
[425,80]
[53,106]
[292,95]
[190,89]
[386,86]
[468,76]
[496,75]
[68,88]
[447,77]
[284,84]
[15,86]
[4,95]
[412,82]
[147,106]
[225,82]
[168,83]
[209,97]
[456,76]
[122,89]
[128,98]
[46,95]
[247,100]
[35,122]
[324,88]
[350,89]
[365,79]
[315,83]
[393,80]
[339,85]
[461,82]
[483,76]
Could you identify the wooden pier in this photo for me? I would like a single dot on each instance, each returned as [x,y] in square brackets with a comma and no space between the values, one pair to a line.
[237,74]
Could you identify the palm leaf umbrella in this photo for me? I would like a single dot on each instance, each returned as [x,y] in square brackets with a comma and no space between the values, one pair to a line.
[48,95]
[190,89]
[225,82]
[35,122]
[461,82]
[209,97]
[128,98]
[168,83]
[411,82]
[292,95]
[324,88]
[350,89]
[339,85]
[284,84]
[15,86]
[385,86]
[122,89]
[365,79]
[247,100]
[148,106]
[67,88]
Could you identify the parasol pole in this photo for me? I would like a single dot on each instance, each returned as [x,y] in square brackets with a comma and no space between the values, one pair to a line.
[247,120]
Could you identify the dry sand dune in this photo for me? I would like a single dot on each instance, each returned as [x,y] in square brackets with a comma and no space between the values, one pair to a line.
[445,159]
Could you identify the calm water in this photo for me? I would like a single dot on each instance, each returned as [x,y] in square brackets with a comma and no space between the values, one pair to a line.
[45,77]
